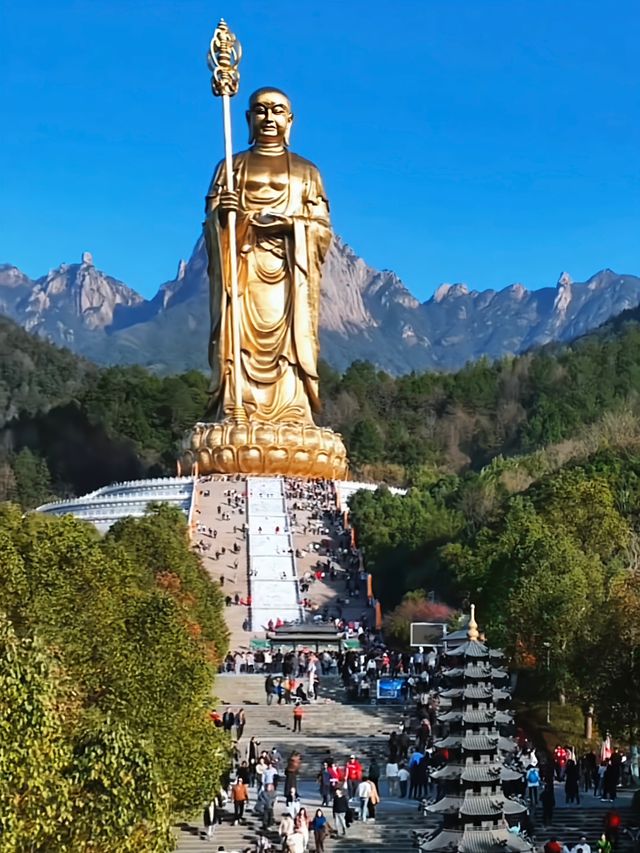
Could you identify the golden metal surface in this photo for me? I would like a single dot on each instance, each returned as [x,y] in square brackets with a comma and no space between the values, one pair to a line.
[296,450]
[268,205]
[282,234]
[225,53]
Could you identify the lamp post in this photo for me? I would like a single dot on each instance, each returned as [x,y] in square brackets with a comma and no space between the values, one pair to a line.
[547,646]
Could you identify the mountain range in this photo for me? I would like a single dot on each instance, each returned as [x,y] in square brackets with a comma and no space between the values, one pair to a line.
[365,314]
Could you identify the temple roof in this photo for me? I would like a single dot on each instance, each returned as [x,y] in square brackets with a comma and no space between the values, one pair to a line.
[470,742]
[507,744]
[482,806]
[475,841]
[475,691]
[492,841]
[449,772]
[473,772]
[470,649]
[481,671]
[446,805]
[488,773]
[477,743]
[475,716]
[445,840]
[482,715]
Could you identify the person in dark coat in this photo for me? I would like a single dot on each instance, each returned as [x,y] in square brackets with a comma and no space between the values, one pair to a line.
[415,786]
[392,746]
[374,772]
[548,800]
[228,720]
[572,782]
[610,780]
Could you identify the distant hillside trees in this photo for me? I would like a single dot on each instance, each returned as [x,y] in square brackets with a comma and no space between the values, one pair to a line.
[85,426]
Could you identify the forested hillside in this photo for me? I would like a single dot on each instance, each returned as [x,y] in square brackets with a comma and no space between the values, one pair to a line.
[107,660]
[547,546]
[68,426]
[463,420]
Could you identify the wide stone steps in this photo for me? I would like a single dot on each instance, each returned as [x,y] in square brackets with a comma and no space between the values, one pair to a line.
[390,832]
[572,822]
[329,728]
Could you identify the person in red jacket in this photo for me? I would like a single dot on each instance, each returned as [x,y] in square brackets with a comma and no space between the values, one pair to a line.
[553,846]
[560,758]
[353,775]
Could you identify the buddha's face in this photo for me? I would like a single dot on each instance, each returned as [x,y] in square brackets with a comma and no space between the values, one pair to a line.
[269,117]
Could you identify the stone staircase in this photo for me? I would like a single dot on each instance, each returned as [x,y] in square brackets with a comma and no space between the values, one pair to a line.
[328,728]
[230,567]
[570,823]
[332,728]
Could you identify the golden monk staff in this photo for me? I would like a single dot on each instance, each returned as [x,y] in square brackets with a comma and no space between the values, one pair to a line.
[224,57]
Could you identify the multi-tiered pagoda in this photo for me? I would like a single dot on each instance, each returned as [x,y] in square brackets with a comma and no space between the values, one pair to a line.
[476,743]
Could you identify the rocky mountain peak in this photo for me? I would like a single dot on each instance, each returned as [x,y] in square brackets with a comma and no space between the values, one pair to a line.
[517,290]
[446,291]
[78,295]
[364,314]
[12,277]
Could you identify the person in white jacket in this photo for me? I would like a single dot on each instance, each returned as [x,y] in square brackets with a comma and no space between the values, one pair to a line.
[364,793]
[392,778]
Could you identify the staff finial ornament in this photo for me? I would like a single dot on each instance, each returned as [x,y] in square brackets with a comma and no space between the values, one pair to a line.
[225,53]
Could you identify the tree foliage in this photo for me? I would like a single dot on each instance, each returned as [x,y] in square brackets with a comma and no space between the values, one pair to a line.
[414,607]
[117,666]
[552,563]
[89,426]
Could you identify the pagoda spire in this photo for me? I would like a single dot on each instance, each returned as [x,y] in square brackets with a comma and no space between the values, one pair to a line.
[472,630]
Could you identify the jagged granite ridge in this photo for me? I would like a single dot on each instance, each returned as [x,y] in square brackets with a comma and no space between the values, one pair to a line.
[365,314]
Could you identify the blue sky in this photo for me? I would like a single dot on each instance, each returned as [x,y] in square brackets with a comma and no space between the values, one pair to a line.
[484,141]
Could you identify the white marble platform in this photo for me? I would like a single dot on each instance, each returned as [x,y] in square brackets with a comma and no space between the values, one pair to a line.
[273,583]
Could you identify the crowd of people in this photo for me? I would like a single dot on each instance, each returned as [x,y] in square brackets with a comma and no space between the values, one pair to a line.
[346,791]
[350,787]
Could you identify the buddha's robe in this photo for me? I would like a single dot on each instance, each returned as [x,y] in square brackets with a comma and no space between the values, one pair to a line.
[279,288]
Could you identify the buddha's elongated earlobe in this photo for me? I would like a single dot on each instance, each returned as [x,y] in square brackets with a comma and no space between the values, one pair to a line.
[287,133]
[251,136]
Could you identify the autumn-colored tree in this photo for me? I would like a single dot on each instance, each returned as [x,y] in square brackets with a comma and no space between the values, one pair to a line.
[414,607]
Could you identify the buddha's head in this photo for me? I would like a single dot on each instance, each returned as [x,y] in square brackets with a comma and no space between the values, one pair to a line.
[269,117]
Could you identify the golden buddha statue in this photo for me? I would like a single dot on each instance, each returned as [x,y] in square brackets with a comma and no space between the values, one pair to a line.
[282,235]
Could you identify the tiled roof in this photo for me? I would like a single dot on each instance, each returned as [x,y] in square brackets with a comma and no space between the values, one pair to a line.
[446,805]
[480,743]
[448,772]
[482,671]
[445,841]
[475,841]
[479,806]
[470,649]
[469,742]
[482,715]
[491,841]
[488,773]
[507,744]
[475,691]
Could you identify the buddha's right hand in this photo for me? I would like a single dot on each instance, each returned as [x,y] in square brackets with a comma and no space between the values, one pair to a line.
[229,200]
